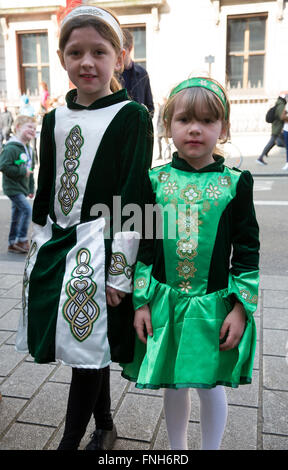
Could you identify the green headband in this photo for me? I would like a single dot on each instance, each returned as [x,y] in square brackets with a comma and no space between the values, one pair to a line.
[202,83]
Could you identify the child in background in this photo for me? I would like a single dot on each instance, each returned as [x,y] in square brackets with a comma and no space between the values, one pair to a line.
[17,164]
[194,309]
[96,147]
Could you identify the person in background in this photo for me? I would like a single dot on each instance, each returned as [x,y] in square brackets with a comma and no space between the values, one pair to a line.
[7,121]
[17,164]
[276,129]
[26,108]
[44,97]
[134,77]
[284,117]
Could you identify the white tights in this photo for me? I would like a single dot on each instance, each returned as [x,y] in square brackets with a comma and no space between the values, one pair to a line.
[213,416]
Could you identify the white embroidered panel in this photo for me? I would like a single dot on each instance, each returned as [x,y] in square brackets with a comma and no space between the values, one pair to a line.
[78,134]
[40,235]
[81,331]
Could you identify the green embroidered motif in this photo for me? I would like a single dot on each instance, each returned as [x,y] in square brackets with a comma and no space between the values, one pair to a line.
[80,310]
[186,248]
[140,283]
[163,176]
[188,222]
[120,266]
[224,180]
[247,296]
[191,194]
[68,192]
[186,269]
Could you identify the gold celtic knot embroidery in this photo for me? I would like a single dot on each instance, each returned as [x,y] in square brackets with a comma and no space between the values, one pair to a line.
[119,265]
[80,310]
[68,192]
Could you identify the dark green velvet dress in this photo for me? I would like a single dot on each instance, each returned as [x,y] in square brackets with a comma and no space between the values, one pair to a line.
[206,260]
[92,163]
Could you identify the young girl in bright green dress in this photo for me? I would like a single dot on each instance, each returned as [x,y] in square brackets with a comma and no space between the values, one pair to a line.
[195,289]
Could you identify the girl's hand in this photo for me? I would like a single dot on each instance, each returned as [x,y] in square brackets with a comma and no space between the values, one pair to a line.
[233,327]
[142,323]
[114,296]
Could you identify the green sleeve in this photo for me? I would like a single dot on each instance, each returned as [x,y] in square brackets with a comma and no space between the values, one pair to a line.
[244,272]
[144,282]
[46,170]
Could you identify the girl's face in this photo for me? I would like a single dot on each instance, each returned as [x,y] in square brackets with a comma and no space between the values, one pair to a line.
[90,61]
[195,138]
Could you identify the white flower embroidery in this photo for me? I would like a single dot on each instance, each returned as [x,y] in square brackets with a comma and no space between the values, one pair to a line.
[170,188]
[185,286]
[213,191]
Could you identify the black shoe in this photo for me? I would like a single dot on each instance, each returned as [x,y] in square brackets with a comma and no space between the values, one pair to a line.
[260,161]
[102,440]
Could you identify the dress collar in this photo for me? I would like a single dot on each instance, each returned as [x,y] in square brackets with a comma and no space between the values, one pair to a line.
[181,164]
[108,100]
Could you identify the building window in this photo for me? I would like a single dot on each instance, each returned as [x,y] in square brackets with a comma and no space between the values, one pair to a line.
[33,61]
[246,38]
[139,35]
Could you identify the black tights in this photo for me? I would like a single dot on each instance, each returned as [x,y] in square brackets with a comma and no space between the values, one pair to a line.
[89,394]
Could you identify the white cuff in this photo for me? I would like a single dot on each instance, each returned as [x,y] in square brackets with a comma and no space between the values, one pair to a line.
[124,253]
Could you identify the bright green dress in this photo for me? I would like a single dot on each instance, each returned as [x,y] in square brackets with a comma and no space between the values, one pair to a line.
[206,260]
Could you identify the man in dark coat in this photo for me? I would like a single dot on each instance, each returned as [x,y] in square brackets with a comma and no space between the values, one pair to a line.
[135,78]
[276,128]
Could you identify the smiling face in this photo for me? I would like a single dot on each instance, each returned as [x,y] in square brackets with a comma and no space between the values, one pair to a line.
[26,132]
[90,61]
[195,135]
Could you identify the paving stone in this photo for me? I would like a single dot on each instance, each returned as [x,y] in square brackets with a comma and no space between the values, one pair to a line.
[9,358]
[245,394]
[275,299]
[275,412]
[26,379]
[15,292]
[274,282]
[48,407]
[275,318]
[275,373]
[25,437]
[271,442]
[241,429]
[6,305]
[62,374]
[4,335]
[137,418]
[10,280]
[275,342]
[9,408]
[117,386]
[193,437]
[10,321]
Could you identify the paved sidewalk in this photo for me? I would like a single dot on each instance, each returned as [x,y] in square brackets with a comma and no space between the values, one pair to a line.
[34,400]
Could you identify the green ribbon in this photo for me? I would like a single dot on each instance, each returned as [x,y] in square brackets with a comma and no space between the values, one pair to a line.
[202,83]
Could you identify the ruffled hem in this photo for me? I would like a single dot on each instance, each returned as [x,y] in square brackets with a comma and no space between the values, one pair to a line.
[243,381]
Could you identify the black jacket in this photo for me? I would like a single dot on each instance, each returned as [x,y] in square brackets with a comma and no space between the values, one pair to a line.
[136,81]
